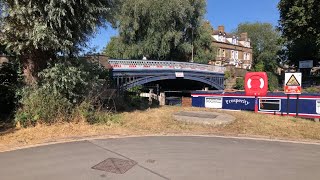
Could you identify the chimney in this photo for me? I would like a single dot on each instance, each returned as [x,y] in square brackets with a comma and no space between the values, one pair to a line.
[244,36]
[221,28]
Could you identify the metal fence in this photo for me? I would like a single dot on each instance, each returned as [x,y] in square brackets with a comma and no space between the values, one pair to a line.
[146,64]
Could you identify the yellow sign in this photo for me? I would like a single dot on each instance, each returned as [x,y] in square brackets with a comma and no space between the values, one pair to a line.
[293,81]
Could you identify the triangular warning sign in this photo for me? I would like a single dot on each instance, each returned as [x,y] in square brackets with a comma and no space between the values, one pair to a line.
[293,81]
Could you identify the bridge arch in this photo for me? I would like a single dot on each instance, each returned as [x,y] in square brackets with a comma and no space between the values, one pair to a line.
[131,73]
[145,80]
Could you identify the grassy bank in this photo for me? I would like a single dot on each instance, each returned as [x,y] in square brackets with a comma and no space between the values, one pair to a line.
[159,121]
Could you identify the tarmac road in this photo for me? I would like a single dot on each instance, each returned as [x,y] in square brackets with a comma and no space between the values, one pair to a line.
[165,158]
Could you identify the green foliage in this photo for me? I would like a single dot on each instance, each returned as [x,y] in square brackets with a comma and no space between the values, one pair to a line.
[41,106]
[74,79]
[10,82]
[203,46]
[259,67]
[105,118]
[299,23]
[54,25]
[273,81]
[63,91]
[90,114]
[266,42]
[42,30]
[136,90]
[312,90]
[131,100]
[116,49]
[161,29]
[239,84]
[227,75]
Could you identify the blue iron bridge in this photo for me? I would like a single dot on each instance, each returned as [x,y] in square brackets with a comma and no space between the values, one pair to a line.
[131,73]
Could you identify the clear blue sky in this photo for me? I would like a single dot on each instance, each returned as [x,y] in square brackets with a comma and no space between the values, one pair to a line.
[219,12]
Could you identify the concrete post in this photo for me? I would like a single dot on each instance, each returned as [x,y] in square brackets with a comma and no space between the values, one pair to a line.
[162,99]
[150,96]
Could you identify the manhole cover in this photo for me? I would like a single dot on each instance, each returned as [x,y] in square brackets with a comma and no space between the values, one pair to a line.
[150,161]
[114,165]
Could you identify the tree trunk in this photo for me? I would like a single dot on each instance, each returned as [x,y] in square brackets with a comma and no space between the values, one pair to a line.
[33,64]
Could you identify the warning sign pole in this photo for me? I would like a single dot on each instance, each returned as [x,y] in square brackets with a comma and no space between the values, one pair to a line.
[292,85]
[297,106]
[288,103]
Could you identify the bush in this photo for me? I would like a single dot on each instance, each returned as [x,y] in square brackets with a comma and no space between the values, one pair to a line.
[67,90]
[10,82]
[239,84]
[74,79]
[273,81]
[87,112]
[227,75]
[42,106]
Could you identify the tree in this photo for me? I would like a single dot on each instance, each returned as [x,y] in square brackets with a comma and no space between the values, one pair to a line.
[203,46]
[10,82]
[161,30]
[40,30]
[116,49]
[266,43]
[300,25]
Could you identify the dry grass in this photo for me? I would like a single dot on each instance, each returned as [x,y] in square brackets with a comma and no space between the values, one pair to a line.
[247,123]
[160,121]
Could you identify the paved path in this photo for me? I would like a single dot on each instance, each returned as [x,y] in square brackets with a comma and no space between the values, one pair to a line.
[166,158]
[200,117]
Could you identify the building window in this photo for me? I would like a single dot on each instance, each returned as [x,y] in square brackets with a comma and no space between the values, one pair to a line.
[236,55]
[223,53]
[220,53]
[234,41]
[246,56]
[232,54]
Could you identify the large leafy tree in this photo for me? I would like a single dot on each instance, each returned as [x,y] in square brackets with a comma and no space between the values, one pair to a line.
[161,30]
[203,46]
[40,30]
[266,42]
[300,25]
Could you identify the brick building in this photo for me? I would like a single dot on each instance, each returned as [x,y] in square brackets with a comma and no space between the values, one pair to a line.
[232,49]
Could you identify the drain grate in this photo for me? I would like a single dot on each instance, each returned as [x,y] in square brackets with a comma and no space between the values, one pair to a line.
[115,165]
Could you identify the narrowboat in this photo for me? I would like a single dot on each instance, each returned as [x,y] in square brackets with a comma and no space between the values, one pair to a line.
[304,105]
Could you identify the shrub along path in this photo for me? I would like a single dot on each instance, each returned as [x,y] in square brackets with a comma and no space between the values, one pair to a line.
[160,121]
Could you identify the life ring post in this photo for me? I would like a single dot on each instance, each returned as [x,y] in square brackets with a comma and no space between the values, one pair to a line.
[256,109]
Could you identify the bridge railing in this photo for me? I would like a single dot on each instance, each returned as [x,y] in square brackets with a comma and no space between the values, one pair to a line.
[146,64]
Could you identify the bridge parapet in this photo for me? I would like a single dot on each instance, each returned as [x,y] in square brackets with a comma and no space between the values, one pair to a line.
[163,65]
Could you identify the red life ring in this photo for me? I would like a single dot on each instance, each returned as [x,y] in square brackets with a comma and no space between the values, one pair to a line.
[256,84]
[249,82]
